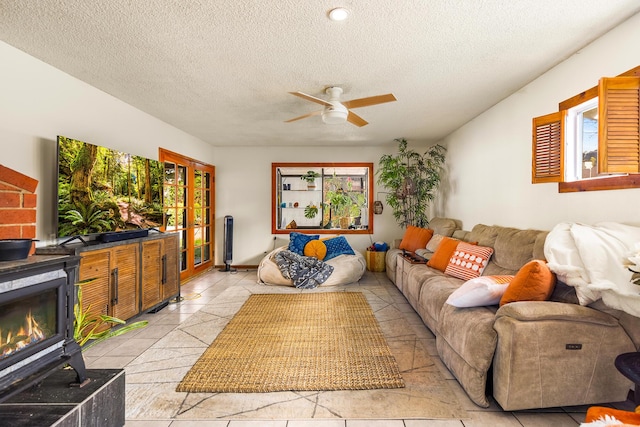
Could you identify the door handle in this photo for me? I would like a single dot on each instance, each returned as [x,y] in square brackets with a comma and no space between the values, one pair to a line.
[114,274]
[164,269]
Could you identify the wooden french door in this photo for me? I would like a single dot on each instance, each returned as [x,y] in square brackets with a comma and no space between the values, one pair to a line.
[189,210]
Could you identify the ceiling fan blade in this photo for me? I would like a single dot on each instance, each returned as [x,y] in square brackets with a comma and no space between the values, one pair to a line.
[356,119]
[314,113]
[311,98]
[372,100]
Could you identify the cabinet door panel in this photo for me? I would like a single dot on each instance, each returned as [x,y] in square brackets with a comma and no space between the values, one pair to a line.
[95,294]
[171,270]
[124,286]
[151,273]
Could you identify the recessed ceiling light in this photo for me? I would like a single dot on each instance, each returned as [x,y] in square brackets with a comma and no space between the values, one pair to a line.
[338,14]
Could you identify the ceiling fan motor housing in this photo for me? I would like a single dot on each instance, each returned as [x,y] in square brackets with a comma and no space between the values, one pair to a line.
[334,114]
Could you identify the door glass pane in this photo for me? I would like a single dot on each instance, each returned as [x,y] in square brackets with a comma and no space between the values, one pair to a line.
[197,255]
[207,255]
[169,195]
[197,216]
[207,216]
[182,218]
[169,173]
[182,175]
[207,180]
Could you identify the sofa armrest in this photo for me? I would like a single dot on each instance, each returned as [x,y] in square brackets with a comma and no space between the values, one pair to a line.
[526,311]
[552,354]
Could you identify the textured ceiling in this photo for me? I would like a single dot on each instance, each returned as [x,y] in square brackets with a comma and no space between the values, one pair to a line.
[221,70]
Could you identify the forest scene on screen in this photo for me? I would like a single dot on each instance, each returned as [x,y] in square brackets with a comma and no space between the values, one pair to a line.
[102,190]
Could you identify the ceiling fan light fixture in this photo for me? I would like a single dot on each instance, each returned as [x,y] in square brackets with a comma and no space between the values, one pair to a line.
[334,116]
[338,14]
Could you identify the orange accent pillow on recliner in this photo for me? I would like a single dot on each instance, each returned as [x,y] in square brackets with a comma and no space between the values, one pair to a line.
[440,258]
[533,282]
[415,238]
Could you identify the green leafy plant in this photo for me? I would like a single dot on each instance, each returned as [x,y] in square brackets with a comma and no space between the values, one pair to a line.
[310,211]
[413,179]
[310,176]
[86,220]
[89,328]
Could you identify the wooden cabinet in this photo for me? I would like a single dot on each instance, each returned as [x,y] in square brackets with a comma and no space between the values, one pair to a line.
[160,274]
[113,273]
[128,277]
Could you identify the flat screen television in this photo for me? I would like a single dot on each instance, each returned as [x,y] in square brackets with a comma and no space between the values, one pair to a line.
[101,190]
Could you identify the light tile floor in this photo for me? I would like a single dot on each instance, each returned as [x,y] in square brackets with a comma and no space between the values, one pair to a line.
[121,352]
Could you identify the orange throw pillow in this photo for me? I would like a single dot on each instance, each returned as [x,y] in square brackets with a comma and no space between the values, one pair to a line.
[415,238]
[596,412]
[533,282]
[316,249]
[440,258]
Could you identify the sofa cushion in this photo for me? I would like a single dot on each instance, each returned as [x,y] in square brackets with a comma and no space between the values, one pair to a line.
[466,343]
[432,244]
[297,241]
[512,247]
[484,290]
[443,226]
[468,261]
[415,238]
[440,258]
[533,282]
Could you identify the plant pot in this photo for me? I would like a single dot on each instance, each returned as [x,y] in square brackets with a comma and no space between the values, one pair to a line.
[344,222]
[311,186]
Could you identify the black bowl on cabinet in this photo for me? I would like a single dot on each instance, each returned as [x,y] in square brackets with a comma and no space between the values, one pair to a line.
[14,249]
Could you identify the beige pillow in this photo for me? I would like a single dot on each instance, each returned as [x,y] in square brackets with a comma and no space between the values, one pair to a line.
[432,244]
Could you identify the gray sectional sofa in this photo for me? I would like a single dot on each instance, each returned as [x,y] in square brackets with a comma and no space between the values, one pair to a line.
[525,354]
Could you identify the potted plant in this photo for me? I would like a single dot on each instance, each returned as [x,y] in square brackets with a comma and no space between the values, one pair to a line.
[310,177]
[412,179]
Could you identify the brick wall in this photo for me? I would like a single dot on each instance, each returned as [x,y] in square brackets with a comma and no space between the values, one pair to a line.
[17,205]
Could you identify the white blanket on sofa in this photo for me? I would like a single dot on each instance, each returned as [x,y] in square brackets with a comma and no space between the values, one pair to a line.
[591,258]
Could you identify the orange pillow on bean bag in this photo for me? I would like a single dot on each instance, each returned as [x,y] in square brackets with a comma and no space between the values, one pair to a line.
[533,282]
[415,238]
[316,249]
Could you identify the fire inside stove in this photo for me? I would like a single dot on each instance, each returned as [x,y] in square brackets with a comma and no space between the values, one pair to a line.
[26,322]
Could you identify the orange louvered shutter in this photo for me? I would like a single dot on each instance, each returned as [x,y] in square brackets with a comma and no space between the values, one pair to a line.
[548,148]
[619,125]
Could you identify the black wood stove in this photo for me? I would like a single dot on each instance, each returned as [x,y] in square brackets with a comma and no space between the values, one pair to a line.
[37,296]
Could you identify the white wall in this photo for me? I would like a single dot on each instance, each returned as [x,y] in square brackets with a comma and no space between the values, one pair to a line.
[243,187]
[39,102]
[489,159]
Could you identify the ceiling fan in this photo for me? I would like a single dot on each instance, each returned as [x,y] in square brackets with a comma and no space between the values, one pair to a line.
[339,112]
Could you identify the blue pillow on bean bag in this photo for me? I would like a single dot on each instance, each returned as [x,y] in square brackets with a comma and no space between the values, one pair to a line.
[337,246]
[297,241]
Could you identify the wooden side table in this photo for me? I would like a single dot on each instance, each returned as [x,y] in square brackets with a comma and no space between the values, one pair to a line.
[629,365]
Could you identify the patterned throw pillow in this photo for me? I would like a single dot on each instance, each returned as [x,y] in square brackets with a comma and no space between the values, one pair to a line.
[468,261]
[297,241]
[337,246]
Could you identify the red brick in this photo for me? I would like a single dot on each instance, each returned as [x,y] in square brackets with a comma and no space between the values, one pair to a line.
[10,231]
[17,216]
[10,200]
[7,187]
[22,181]
[28,232]
[29,200]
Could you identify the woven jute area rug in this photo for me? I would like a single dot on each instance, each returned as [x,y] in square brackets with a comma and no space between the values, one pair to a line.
[310,341]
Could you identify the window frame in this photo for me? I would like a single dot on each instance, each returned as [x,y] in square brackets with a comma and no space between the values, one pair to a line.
[276,192]
[630,180]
